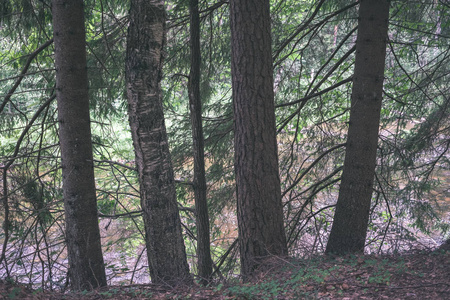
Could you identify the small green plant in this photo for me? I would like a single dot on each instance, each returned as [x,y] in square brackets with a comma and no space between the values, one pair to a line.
[264,290]
[400,267]
[15,292]
[106,294]
[218,287]
[246,291]
[380,278]
[379,273]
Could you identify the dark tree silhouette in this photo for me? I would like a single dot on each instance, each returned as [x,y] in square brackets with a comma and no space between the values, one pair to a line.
[195,106]
[351,218]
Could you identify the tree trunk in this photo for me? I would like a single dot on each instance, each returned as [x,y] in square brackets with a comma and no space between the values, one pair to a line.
[195,106]
[260,214]
[164,240]
[86,267]
[351,218]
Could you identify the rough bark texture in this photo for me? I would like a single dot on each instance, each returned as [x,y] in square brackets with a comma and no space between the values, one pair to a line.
[86,265]
[349,228]
[260,214]
[195,106]
[164,241]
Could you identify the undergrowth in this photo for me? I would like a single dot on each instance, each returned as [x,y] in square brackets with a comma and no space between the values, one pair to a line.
[415,276]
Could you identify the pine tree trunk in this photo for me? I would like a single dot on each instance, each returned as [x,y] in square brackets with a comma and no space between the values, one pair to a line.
[349,228]
[86,267]
[164,240]
[195,105]
[260,214]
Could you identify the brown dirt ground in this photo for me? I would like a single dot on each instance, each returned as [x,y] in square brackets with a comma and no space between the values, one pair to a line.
[422,275]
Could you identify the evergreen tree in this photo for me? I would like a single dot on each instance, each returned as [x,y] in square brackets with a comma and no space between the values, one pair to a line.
[259,208]
[86,267]
[348,233]
[199,183]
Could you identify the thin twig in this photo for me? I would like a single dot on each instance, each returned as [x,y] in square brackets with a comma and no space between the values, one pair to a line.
[23,73]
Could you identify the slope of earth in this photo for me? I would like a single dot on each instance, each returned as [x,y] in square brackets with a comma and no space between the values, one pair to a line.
[424,275]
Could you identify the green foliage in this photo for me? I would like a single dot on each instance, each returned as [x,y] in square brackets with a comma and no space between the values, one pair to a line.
[310,278]
[313,61]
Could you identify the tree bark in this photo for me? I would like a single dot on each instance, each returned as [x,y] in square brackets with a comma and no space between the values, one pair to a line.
[195,106]
[144,59]
[260,214]
[351,218]
[86,266]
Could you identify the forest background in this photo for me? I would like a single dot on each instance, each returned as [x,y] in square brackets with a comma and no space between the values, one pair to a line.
[313,58]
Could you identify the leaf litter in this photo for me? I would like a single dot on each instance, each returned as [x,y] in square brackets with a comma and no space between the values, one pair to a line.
[420,275]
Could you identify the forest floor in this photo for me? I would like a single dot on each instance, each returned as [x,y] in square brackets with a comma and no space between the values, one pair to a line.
[421,275]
